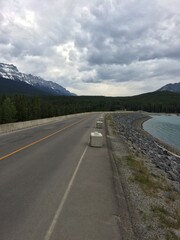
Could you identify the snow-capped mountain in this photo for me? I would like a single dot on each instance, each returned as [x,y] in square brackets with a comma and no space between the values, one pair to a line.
[10,72]
[171,87]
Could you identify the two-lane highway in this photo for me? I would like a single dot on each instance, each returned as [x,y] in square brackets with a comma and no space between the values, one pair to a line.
[38,167]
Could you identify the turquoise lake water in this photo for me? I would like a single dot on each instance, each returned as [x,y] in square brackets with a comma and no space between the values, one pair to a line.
[166,128]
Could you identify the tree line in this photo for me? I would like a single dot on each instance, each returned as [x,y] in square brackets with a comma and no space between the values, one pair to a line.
[22,108]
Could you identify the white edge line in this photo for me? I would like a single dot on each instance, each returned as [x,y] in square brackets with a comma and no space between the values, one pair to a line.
[59,210]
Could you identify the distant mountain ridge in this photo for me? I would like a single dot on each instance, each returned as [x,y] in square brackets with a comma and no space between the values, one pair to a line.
[171,87]
[27,83]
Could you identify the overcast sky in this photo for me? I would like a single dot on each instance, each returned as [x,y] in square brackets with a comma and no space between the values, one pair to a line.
[95,47]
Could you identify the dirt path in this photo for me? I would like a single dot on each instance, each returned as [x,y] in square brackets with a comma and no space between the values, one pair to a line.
[126,215]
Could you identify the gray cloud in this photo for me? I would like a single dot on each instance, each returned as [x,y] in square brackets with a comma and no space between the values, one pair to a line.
[130,35]
[77,43]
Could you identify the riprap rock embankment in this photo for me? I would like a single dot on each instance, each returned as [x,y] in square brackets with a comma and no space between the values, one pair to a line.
[144,143]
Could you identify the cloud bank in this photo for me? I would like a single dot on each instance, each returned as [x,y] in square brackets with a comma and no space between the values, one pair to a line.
[97,47]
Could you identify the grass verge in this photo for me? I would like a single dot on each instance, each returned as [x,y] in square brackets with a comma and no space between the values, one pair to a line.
[141,174]
[156,186]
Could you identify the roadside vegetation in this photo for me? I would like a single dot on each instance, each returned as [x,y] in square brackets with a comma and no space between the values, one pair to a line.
[142,176]
[163,200]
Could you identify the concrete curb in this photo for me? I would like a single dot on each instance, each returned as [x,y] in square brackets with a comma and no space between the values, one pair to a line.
[10,127]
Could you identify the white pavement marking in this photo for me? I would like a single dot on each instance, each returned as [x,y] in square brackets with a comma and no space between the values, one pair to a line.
[59,210]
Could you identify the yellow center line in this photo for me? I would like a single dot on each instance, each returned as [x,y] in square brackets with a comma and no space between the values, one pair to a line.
[39,140]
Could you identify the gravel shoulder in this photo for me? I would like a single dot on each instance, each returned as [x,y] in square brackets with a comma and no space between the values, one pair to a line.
[147,179]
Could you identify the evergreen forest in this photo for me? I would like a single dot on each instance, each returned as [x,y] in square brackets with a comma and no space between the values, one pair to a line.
[15,108]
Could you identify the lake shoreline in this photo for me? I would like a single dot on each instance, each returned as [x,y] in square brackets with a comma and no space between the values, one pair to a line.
[139,124]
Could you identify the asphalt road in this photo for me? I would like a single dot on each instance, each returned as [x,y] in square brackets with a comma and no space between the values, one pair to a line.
[54,186]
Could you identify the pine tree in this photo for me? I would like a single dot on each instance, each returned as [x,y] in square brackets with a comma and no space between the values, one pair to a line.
[8,111]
